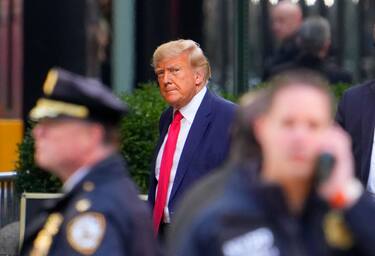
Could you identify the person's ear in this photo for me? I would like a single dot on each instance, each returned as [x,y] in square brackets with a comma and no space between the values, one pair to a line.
[259,128]
[198,77]
[97,133]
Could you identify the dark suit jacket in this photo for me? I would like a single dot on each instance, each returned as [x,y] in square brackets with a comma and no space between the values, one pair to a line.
[206,146]
[128,229]
[356,114]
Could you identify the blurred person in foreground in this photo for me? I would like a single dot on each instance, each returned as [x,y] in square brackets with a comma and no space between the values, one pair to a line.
[314,42]
[287,211]
[356,114]
[76,139]
[286,20]
[194,129]
[241,158]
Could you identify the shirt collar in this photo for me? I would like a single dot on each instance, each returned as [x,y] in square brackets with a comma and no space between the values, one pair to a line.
[190,110]
[73,180]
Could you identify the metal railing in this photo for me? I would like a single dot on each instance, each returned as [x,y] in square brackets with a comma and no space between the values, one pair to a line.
[9,200]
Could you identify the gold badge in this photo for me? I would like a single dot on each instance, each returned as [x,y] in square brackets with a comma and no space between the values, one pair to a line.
[86,231]
[88,186]
[83,205]
[336,232]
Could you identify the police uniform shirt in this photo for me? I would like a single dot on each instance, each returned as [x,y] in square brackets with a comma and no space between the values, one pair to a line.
[101,215]
[254,220]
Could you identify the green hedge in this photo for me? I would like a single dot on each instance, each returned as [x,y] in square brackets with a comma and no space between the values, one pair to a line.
[139,133]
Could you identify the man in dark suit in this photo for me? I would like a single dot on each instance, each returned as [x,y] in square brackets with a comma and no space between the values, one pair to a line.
[356,114]
[194,130]
[76,139]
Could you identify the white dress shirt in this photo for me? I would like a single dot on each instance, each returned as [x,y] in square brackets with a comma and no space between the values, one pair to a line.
[371,176]
[188,112]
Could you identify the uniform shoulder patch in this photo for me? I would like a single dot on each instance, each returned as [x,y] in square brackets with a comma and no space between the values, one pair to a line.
[85,232]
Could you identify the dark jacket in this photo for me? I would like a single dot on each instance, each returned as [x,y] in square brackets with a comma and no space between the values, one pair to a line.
[203,193]
[255,220]
[103,209]
[286,52]
[356,115]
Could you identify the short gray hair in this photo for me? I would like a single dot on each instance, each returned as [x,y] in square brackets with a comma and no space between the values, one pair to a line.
[314,33]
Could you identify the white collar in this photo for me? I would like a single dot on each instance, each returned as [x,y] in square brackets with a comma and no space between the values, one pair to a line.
[73,180]
[190,110]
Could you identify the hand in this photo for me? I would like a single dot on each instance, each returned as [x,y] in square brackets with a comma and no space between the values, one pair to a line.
[341,189]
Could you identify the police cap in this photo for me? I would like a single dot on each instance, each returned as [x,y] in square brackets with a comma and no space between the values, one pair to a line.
[70,95]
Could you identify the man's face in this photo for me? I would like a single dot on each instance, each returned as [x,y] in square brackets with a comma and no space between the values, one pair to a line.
[284,22]
[61,143]
[178,80]
[290,132]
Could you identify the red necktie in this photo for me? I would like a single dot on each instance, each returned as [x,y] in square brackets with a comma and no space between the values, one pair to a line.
[165,170]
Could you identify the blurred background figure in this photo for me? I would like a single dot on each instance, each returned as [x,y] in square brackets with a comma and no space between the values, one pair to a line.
[286,20]
[314,42]
[290,209]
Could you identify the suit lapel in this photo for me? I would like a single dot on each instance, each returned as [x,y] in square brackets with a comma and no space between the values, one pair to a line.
[163,132]
[197,130]
[367,137]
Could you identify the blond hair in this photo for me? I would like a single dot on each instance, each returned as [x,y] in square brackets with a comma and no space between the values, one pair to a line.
[175,48]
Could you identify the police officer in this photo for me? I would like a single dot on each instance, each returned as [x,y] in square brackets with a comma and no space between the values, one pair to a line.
[288,210]
[76,139]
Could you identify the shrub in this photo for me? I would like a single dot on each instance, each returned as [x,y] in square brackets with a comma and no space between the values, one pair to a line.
[139,131]
[338,89]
